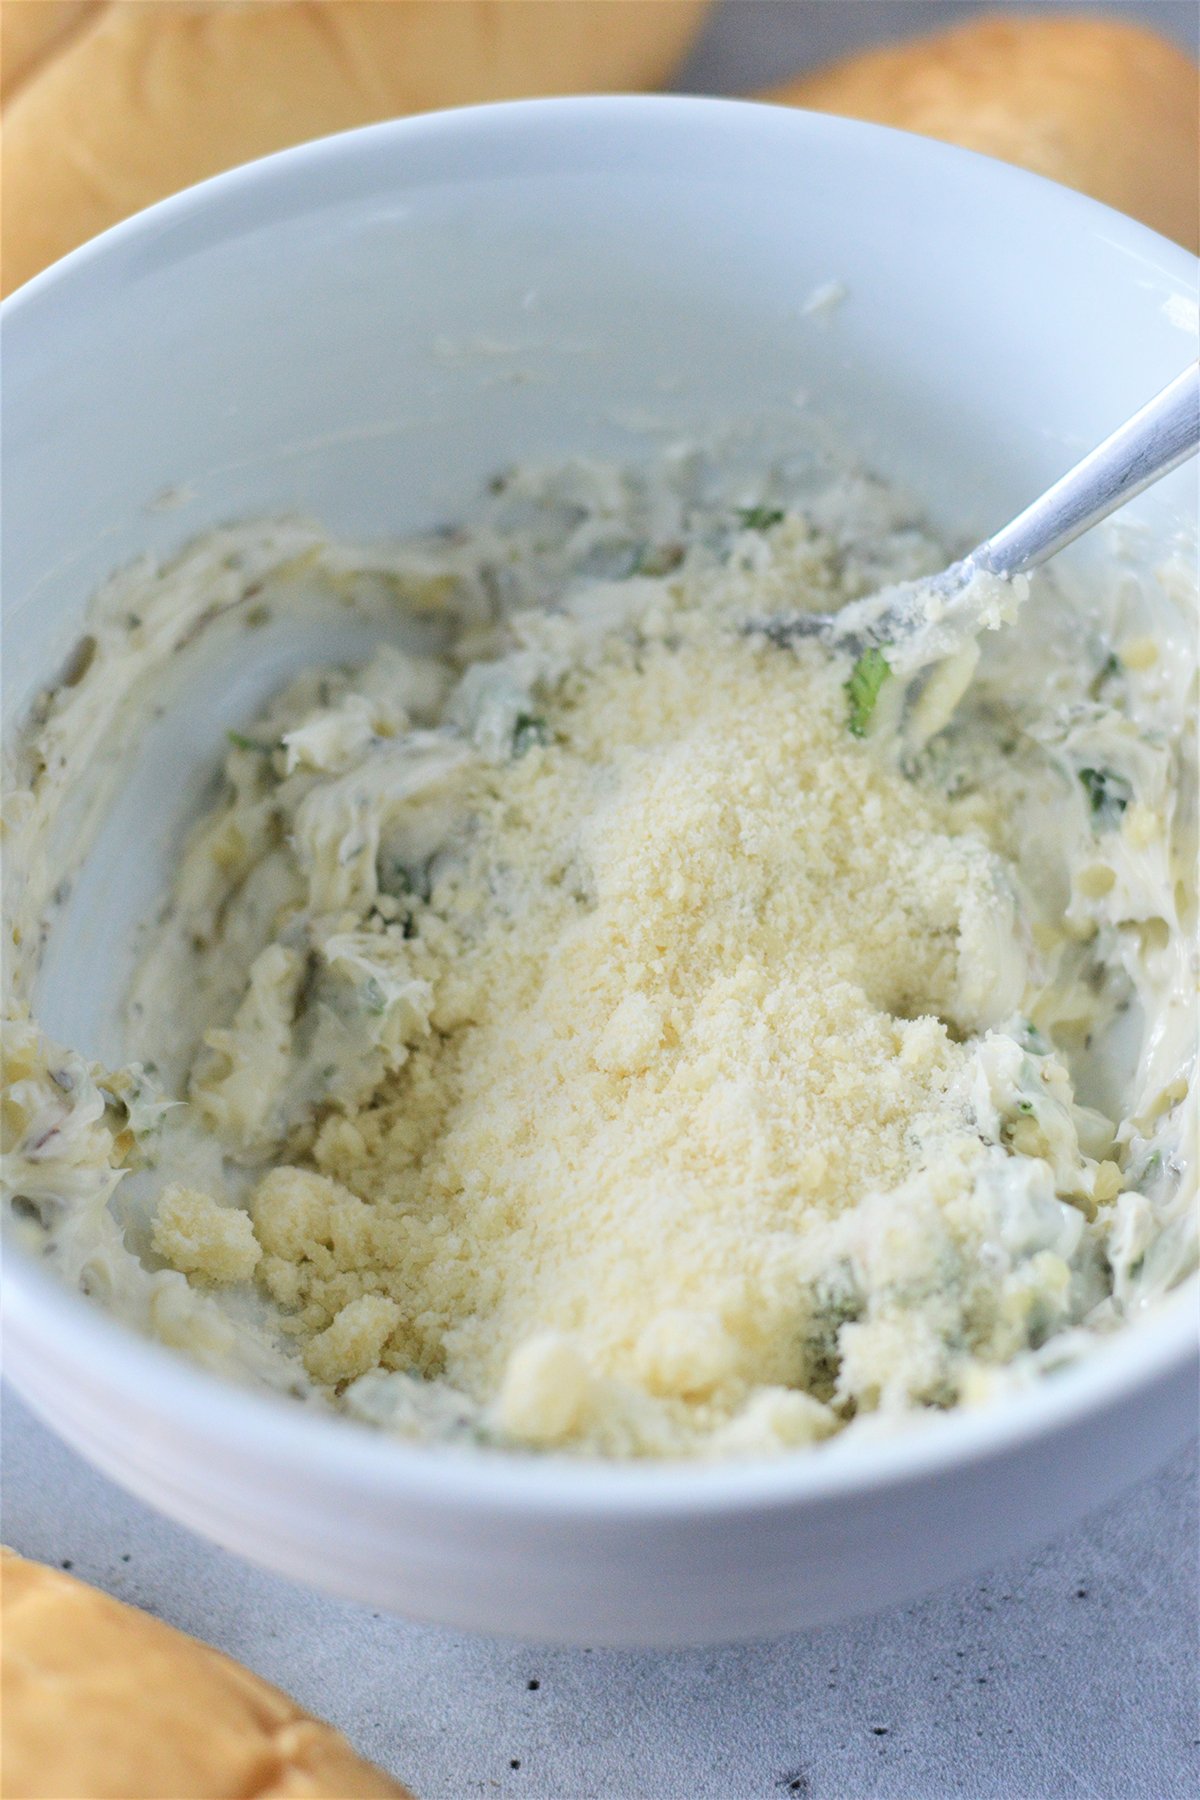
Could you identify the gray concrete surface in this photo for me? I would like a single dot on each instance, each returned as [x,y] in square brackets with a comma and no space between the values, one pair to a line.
[1073,1673]
[1068,1676]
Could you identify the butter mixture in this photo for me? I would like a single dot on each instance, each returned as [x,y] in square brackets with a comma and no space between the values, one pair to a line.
[607,1029]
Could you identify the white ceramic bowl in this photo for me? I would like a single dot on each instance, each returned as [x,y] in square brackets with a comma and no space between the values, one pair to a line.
[363,329]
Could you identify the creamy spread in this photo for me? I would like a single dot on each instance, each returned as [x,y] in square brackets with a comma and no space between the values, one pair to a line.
[609,1029]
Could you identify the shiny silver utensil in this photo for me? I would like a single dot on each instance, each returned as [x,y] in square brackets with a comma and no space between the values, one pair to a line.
[1154,441]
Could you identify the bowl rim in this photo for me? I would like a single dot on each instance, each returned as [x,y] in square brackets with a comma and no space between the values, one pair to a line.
[479,1479]
[152,1377]
[498,124]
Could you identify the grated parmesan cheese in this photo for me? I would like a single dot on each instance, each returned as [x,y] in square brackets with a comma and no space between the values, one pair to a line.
[706,1015]
[200,1238]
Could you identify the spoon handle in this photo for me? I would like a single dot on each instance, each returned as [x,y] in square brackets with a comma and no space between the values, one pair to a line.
[1156,440]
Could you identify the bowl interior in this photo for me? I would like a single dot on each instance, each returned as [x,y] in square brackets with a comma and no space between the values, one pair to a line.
[363,331]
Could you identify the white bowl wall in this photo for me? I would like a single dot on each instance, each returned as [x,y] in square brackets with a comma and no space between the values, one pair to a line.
[363,330]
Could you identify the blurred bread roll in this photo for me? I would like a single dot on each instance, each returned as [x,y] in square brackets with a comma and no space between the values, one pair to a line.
[1099,104]
[103,1702]
[147,99]
[30,30]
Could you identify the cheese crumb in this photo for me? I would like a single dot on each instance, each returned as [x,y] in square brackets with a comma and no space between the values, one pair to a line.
[1139,653]
[1141,826]
[776,1419]
[631,1036]
[545,1390]
[193,1233]
[686,1353]
[354,1342]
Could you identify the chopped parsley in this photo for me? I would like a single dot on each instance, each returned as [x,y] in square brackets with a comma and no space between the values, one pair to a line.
[862,689]
[240,741]
[1109,794]
[759,518]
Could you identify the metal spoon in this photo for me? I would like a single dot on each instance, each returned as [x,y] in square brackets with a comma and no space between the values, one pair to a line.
[1153,442]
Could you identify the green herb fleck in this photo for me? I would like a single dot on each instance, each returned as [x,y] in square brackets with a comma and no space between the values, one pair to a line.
[1024,1106]
[529,730]
[759,518]
[658,559]
[240,741]
[862,689]
[1108,792]
[1107,671]
[373,996]
[1146,1172]
[835,1302]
